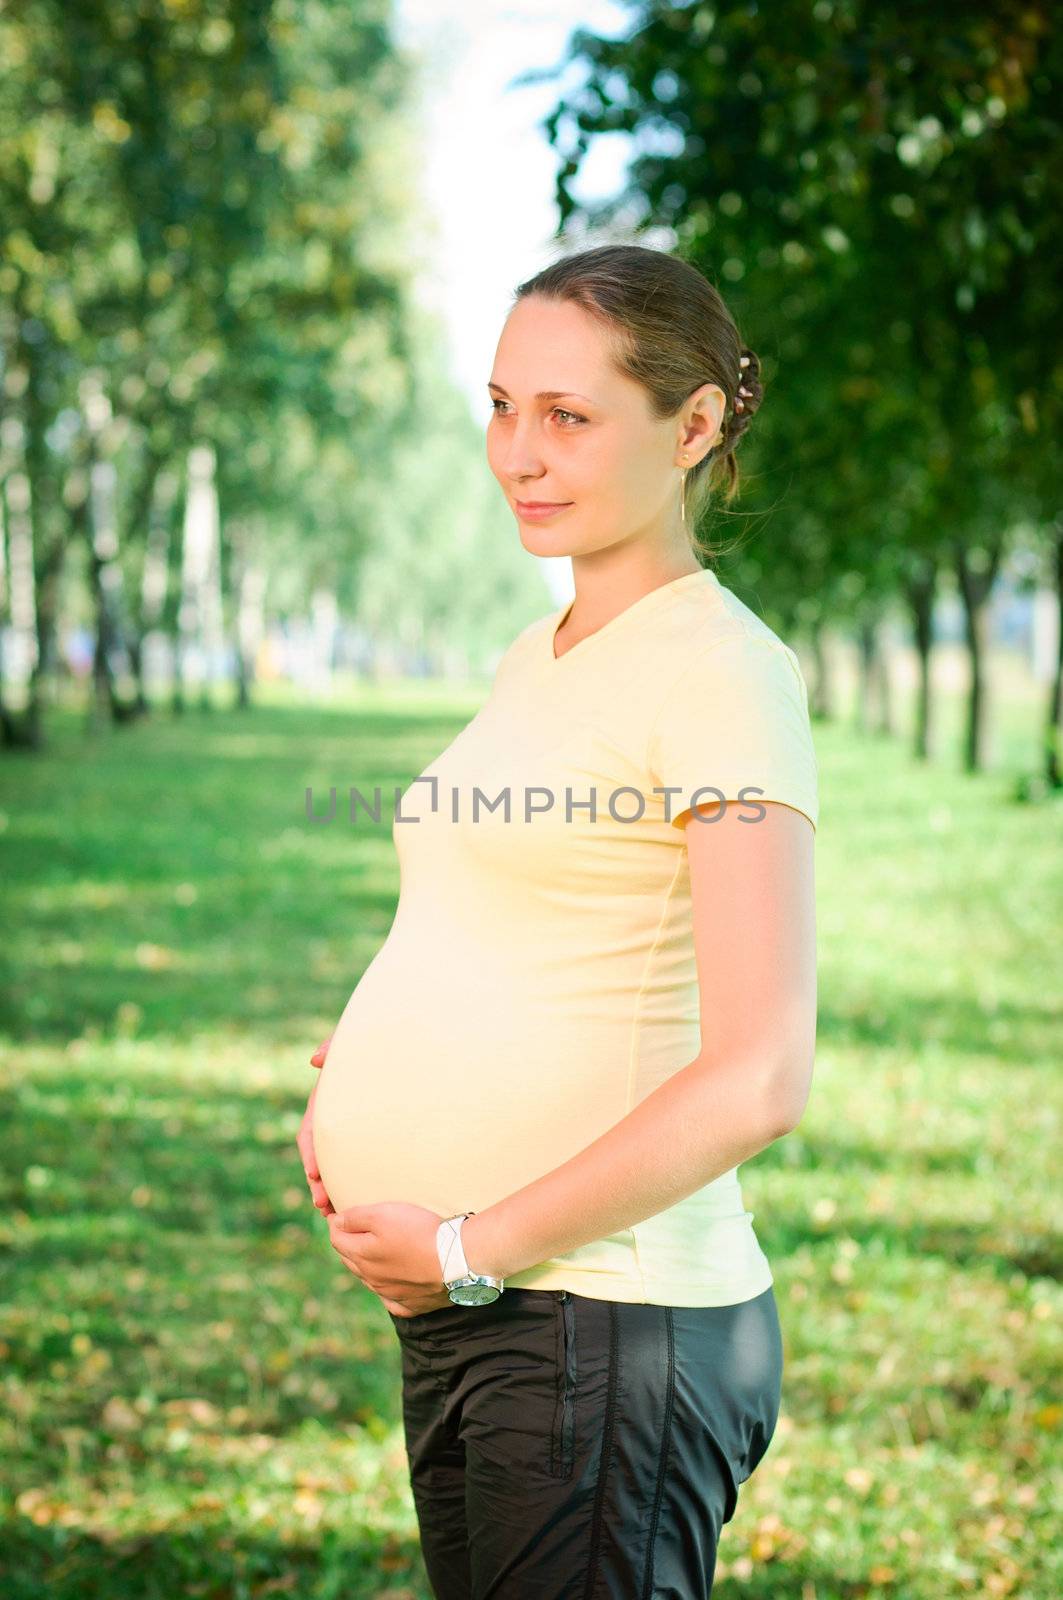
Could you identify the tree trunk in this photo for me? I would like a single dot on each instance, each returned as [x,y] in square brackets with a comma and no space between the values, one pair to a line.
[919,588]
[199,617]
[249,594]
[1054,720]
[821,697]
[173,599]
[20,726]
[975,589]
[48,575]
[8,725]
[213,607]
[882,684]
[867,648]
[139,529]
[48,540]
[98,519]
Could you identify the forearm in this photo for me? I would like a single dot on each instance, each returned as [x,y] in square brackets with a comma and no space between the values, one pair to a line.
[699,1123]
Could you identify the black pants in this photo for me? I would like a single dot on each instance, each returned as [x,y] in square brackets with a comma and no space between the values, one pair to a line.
[567,1448]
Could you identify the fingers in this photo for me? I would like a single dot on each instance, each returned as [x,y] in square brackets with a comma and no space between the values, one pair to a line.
[305,1145]
[318,1057]
[318,1193]
[313,1177]
[305,1142]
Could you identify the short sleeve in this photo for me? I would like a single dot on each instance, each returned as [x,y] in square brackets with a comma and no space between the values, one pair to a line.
[736,720]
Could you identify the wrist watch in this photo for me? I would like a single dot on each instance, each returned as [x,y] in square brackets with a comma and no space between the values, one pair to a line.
[465,1288]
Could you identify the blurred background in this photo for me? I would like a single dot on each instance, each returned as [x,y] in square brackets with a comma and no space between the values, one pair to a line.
[255,256]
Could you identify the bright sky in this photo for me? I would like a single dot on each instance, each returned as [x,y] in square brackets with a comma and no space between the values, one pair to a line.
[488,177]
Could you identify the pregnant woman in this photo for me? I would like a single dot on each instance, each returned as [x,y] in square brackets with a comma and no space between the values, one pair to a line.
[598,995]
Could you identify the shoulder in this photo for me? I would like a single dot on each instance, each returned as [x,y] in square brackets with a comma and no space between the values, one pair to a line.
[729,713]
[715,638]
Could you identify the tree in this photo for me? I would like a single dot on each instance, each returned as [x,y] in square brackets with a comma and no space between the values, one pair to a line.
[874,187]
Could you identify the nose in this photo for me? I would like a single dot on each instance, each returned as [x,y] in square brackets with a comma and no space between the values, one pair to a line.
[521,459]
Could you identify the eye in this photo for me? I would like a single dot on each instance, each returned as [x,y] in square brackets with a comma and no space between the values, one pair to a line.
[575,420]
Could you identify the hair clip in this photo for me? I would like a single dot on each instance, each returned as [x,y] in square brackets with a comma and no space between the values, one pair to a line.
[744,361]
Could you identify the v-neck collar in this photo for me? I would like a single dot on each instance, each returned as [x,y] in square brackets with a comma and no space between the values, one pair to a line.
[639,606]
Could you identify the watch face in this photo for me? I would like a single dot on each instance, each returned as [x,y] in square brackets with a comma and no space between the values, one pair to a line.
[474,1294]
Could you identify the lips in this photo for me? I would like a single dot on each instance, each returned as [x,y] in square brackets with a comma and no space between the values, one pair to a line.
[542,505]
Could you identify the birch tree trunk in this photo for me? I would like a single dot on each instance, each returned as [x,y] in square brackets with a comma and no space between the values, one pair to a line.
[249,600]
[155,577]
[20,658]
[199,615]
[111,662]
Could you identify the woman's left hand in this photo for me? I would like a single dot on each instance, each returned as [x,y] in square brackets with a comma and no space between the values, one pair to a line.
[391,1247]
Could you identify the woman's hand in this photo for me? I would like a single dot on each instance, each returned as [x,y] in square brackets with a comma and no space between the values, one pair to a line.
[391,1247]
[305,1141]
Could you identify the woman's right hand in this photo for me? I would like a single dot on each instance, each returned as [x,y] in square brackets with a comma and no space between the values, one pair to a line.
[305,1140]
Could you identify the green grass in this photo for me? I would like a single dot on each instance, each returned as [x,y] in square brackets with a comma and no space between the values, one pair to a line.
[199,1400]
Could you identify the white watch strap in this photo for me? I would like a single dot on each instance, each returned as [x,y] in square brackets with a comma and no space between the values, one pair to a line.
[452,1262]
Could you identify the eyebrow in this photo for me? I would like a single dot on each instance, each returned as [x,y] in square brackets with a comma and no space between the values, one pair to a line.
[549,394]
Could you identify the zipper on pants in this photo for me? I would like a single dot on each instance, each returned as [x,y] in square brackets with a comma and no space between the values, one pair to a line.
[562,1443]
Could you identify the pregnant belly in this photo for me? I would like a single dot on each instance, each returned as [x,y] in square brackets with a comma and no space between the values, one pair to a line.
[451,1096]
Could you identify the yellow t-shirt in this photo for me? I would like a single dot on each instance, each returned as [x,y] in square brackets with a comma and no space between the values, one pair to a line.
[539,977]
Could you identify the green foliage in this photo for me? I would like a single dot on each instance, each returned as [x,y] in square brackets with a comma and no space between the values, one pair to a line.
[876,191]
[212,212]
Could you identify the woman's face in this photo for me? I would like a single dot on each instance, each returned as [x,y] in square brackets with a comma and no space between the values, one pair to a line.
[590,441]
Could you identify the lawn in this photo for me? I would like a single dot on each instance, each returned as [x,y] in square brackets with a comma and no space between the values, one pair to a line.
[199,1399]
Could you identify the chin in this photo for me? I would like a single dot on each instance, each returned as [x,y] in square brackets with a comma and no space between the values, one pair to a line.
[538,541]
